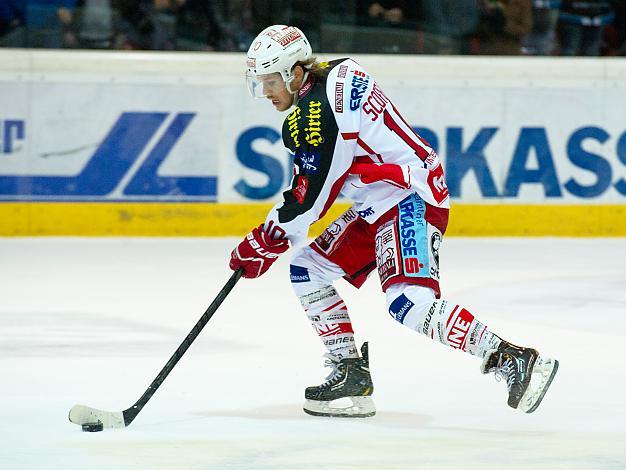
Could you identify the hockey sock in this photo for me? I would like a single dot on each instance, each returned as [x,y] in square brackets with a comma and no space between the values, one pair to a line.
[456,327]
[329,316]
[416,307]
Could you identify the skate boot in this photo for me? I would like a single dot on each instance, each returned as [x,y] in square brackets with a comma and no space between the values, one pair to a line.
[347,390]
[528,376]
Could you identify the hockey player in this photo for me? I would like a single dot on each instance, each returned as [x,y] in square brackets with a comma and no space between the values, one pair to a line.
[347,136]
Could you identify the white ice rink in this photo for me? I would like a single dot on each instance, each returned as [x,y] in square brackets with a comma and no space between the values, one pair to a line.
[92,321]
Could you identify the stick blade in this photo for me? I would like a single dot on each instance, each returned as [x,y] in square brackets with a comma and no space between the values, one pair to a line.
[81,414]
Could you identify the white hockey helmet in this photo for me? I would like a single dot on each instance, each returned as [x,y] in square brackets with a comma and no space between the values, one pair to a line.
[275,50]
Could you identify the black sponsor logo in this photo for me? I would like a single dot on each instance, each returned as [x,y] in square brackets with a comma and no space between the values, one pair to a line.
[332,341]
[348,216]
[318,296]
[339,97]
[428,318]
[435,244]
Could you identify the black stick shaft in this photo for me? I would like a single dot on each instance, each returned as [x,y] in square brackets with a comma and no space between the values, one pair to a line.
[133,411]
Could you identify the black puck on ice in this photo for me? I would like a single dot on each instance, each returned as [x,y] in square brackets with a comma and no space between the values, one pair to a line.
[92,427]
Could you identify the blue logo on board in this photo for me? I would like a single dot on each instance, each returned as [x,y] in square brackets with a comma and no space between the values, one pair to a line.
[12,132]
[111,165]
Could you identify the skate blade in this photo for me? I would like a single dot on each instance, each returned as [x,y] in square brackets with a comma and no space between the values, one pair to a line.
[541,377]
[360,407]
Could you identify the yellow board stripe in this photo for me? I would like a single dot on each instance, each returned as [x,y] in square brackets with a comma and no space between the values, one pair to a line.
[200,219]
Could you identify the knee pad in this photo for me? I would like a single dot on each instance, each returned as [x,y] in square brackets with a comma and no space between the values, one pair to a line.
[309,272]
[408,304]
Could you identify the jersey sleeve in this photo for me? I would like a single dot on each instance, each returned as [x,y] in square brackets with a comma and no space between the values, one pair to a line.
[321,163]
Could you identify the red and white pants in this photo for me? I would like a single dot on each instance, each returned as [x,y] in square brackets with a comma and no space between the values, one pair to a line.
[404,246]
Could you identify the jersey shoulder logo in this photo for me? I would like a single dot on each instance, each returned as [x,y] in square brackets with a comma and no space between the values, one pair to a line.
[360,82]
[339,97]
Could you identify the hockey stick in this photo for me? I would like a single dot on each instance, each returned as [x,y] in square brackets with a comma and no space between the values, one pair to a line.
[92,419]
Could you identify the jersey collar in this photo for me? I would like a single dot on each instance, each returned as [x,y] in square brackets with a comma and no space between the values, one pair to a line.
[306,87]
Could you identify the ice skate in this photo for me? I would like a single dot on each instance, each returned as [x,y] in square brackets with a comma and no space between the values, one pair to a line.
[528,376]
[347,390]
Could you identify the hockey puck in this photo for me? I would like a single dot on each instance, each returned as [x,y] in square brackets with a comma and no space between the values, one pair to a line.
[92,427]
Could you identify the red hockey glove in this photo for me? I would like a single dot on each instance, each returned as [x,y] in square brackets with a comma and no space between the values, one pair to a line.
[257,252]
[387,172]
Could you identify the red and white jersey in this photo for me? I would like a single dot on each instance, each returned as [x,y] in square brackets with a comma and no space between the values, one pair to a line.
[343,119]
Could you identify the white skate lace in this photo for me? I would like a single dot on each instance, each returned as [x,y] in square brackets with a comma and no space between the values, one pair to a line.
[504,370]
[331,361]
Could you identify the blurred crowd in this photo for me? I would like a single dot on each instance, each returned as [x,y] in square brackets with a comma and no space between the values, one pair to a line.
[502,27]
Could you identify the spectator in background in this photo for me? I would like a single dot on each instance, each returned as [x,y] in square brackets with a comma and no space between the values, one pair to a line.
[541,40]
[239,25]
[581,24]
[92,25]
[305,15]
[619,29]
[198,26]
[243,19]
[446,25]
[48,22]
[503,25]
[141,27]
[12,23]
[387,13]
[388,26]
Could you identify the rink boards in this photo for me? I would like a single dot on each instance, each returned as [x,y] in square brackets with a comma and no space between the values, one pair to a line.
[199,219]
[171,144]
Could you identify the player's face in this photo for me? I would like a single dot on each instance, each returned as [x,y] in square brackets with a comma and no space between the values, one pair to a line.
[275,90]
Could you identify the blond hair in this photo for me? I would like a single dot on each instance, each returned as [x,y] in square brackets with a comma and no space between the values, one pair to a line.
[315,68]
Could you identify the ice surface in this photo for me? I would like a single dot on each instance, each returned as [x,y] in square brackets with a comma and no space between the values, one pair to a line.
[93,321]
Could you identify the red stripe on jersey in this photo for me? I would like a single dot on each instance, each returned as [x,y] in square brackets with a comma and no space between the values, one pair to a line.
[361,143]
[334,192]
[362,159]
[417,146]
[364,146]
[422,140]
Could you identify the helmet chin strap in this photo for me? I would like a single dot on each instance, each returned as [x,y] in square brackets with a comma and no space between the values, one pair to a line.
[295,93]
